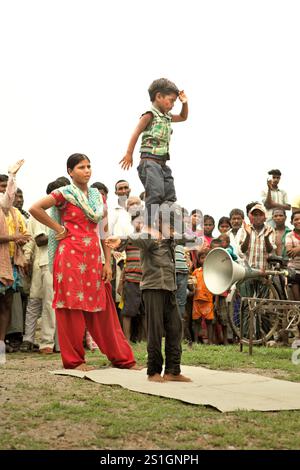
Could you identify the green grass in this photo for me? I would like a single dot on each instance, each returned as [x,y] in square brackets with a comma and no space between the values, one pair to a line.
[42,411]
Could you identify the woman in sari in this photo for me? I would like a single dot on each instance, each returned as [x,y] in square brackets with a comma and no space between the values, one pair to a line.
[82,290]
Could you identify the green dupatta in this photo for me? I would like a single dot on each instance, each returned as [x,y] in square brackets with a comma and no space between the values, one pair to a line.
[92,206]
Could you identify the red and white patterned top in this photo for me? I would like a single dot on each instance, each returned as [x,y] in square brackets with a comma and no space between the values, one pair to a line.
[77,267]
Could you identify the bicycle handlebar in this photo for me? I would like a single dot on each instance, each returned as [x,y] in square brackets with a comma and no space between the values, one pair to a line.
[276,272]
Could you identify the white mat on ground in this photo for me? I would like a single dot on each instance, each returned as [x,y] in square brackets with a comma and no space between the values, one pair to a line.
[226,391]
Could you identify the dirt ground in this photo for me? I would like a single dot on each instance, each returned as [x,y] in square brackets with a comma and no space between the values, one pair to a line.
[39,410]
[26,389]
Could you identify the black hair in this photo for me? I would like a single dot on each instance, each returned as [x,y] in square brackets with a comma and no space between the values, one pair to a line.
[120,181]
[100,186]
[196,211]
[3,178]
[58,183]
[293,215]
[209,217]
[62,181]
[50,187]
[163,86]
[142,196]
[224,220]
[274,172]
[250,205]
[201,252]
[277,209]
[236,212]
[215,241]
[19,190]
[74,159]
[139,213]
[171,213]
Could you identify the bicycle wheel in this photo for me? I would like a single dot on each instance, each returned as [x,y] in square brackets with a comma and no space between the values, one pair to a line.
[264,325]
[282,334]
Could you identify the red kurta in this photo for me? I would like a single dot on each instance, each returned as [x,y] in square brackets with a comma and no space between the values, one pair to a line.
[77,267]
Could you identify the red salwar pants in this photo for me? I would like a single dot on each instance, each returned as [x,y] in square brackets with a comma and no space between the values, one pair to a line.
[103,326]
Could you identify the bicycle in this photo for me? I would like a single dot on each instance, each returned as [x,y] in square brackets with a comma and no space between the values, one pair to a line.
[259,310]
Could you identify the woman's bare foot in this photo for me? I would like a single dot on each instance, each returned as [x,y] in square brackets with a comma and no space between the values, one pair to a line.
[155,378]
[84,367]
[176,378]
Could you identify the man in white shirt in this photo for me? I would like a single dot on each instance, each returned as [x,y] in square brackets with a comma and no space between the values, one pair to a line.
[119,221]
[119,224]
[274,198]
[41,292]
[237,217]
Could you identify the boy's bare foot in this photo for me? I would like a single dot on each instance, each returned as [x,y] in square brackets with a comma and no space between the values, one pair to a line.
[155,378]
[176,378]
[136,367]
[84,367]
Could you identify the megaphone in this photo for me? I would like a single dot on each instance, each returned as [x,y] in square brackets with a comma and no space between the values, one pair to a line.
[220,271]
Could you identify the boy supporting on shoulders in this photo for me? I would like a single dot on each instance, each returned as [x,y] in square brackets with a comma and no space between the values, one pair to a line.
[155,127]
[158,287]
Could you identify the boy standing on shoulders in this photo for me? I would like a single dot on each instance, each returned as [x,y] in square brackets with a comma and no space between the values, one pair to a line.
[155,127]
[158,285]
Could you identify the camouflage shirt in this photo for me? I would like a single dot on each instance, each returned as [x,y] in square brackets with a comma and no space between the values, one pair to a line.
[156,137]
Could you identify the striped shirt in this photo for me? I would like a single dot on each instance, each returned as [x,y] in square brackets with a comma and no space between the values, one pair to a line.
[133,270]
[256,254]
[291,241]
[180,260]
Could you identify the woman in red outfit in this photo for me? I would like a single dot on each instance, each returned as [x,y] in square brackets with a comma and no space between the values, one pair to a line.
[82,290]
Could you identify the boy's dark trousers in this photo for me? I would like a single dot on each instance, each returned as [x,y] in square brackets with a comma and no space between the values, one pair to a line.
[162,316]
[158,182]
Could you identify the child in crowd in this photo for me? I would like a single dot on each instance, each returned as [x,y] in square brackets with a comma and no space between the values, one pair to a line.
[131,278]
[224,225]
[281,231]
[187,318]
[292,243]
[182,274]
[209,225]
[158,285]
[220,307]
[236,218]
[195,228]
[155,127]
[203,305]
[225,243]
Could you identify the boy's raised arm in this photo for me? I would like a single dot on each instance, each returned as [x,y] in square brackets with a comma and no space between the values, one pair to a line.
[127,161]
[184,110]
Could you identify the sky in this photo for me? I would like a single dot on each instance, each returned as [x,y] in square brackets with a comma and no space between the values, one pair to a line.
[75,74]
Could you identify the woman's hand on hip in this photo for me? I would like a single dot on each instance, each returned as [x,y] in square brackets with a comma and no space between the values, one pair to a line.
[61,234]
